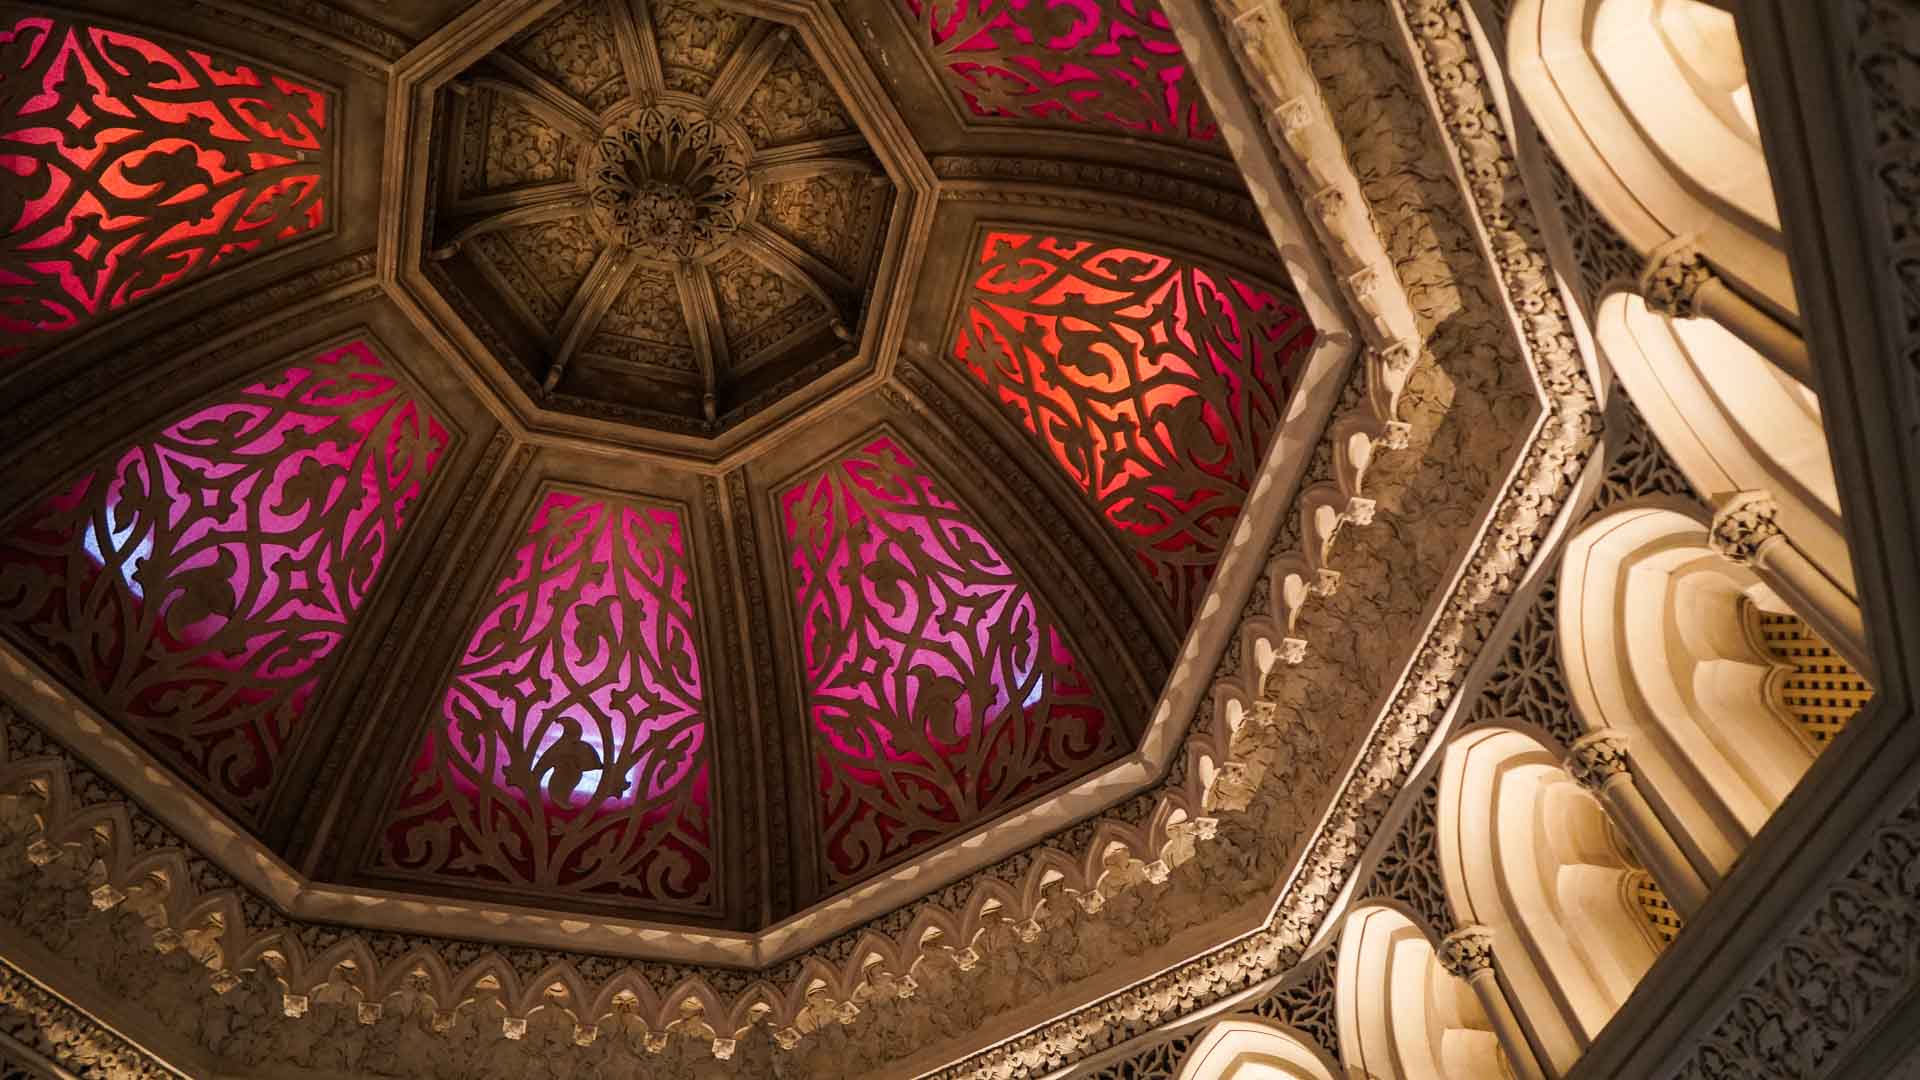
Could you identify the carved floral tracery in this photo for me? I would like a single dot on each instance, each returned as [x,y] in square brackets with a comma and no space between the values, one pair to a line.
[199,583]
[1155,383]
[132,166]
[939,688]
[571,750]
[1111,63]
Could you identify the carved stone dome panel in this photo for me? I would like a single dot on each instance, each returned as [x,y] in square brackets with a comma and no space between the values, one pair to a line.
[663,215]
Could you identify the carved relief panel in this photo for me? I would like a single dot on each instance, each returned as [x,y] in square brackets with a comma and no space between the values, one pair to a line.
[137,164]
[199,582]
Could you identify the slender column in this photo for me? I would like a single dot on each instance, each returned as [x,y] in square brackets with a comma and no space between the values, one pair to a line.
[1467,953]
[1746,531]
[1679,283]
[1599,762]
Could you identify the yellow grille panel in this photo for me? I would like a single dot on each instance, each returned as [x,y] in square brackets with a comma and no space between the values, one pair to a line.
[1822,692]
[1655,909]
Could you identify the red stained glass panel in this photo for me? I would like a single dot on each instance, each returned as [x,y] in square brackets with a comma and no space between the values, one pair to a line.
[1112,63]
[571,747]
[199,584]
[1154,382]
[128,166]
[939,689]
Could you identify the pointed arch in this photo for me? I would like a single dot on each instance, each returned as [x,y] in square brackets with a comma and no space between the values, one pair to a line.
[1646,103]
[1528,853]
[1244,1048]
[1402,1015]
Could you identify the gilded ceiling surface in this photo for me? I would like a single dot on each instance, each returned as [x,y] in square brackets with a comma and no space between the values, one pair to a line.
[676,480]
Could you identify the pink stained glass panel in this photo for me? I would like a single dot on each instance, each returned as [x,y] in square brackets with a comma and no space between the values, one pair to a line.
[128,166]
[199,584]
[939,689]
[1154,382]
[571,747]
[1111,63]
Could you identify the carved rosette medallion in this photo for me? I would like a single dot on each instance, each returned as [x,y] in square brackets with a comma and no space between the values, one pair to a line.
[668,182]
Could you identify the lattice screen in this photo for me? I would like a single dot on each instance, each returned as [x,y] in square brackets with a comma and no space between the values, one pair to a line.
[1655,908]
[1823,692]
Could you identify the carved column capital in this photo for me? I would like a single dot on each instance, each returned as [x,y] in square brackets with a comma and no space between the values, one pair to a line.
[1467,952]
[1672,281]
[1594,759]
[1742,523]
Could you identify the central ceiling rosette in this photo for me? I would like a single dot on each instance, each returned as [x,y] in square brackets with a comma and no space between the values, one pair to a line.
[660,214]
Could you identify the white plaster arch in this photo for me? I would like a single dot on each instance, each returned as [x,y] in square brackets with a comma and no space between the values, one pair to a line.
[1249,1048]
[1656,643]
[1731,420]
[1529,854]
[1402,1015]
[1646,104]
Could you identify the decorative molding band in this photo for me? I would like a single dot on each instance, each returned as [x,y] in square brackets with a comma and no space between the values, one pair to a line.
[47,1027]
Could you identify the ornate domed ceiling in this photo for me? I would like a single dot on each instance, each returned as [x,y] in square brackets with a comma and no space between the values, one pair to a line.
[666,214]
[737,464]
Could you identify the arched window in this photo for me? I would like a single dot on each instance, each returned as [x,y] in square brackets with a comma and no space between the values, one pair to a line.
[1250,1049]
[1731,420]
[1646,102]
[1724,693]
[1402,1016]
[1532,856]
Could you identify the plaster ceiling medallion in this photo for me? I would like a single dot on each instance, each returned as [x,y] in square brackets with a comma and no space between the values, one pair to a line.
[659,214]
[668,182]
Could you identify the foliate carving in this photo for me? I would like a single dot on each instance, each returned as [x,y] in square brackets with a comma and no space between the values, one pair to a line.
[1467,952]
[1304,1000]
[55,1031]
[1605,259]
[1638,464]
[136,165]
[1597,758]
[1887,64]
[668,182]
[1834,978]
[1672,281]
[1112,63]
[1409,869]
[575,48]
[1153,382]
[1528,685]
[794,102]
[199,584]
[1743,522]
[571,747]
[938,688]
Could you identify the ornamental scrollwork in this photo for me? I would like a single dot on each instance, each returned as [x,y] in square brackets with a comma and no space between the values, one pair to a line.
[939,687]
[135,165]
[571,747]
[1154,383]
[199,584]
[1098,62]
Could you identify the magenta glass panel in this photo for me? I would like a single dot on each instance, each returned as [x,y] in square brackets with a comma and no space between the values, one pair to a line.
[198,584]
[1154,382]
[571,747]
[127,166]
[1112,63]
[939,689]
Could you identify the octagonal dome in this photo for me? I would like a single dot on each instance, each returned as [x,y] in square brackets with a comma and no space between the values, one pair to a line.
[661,214]
[783,457]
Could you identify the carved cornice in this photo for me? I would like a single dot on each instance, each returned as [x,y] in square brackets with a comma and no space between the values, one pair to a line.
[52,1029]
